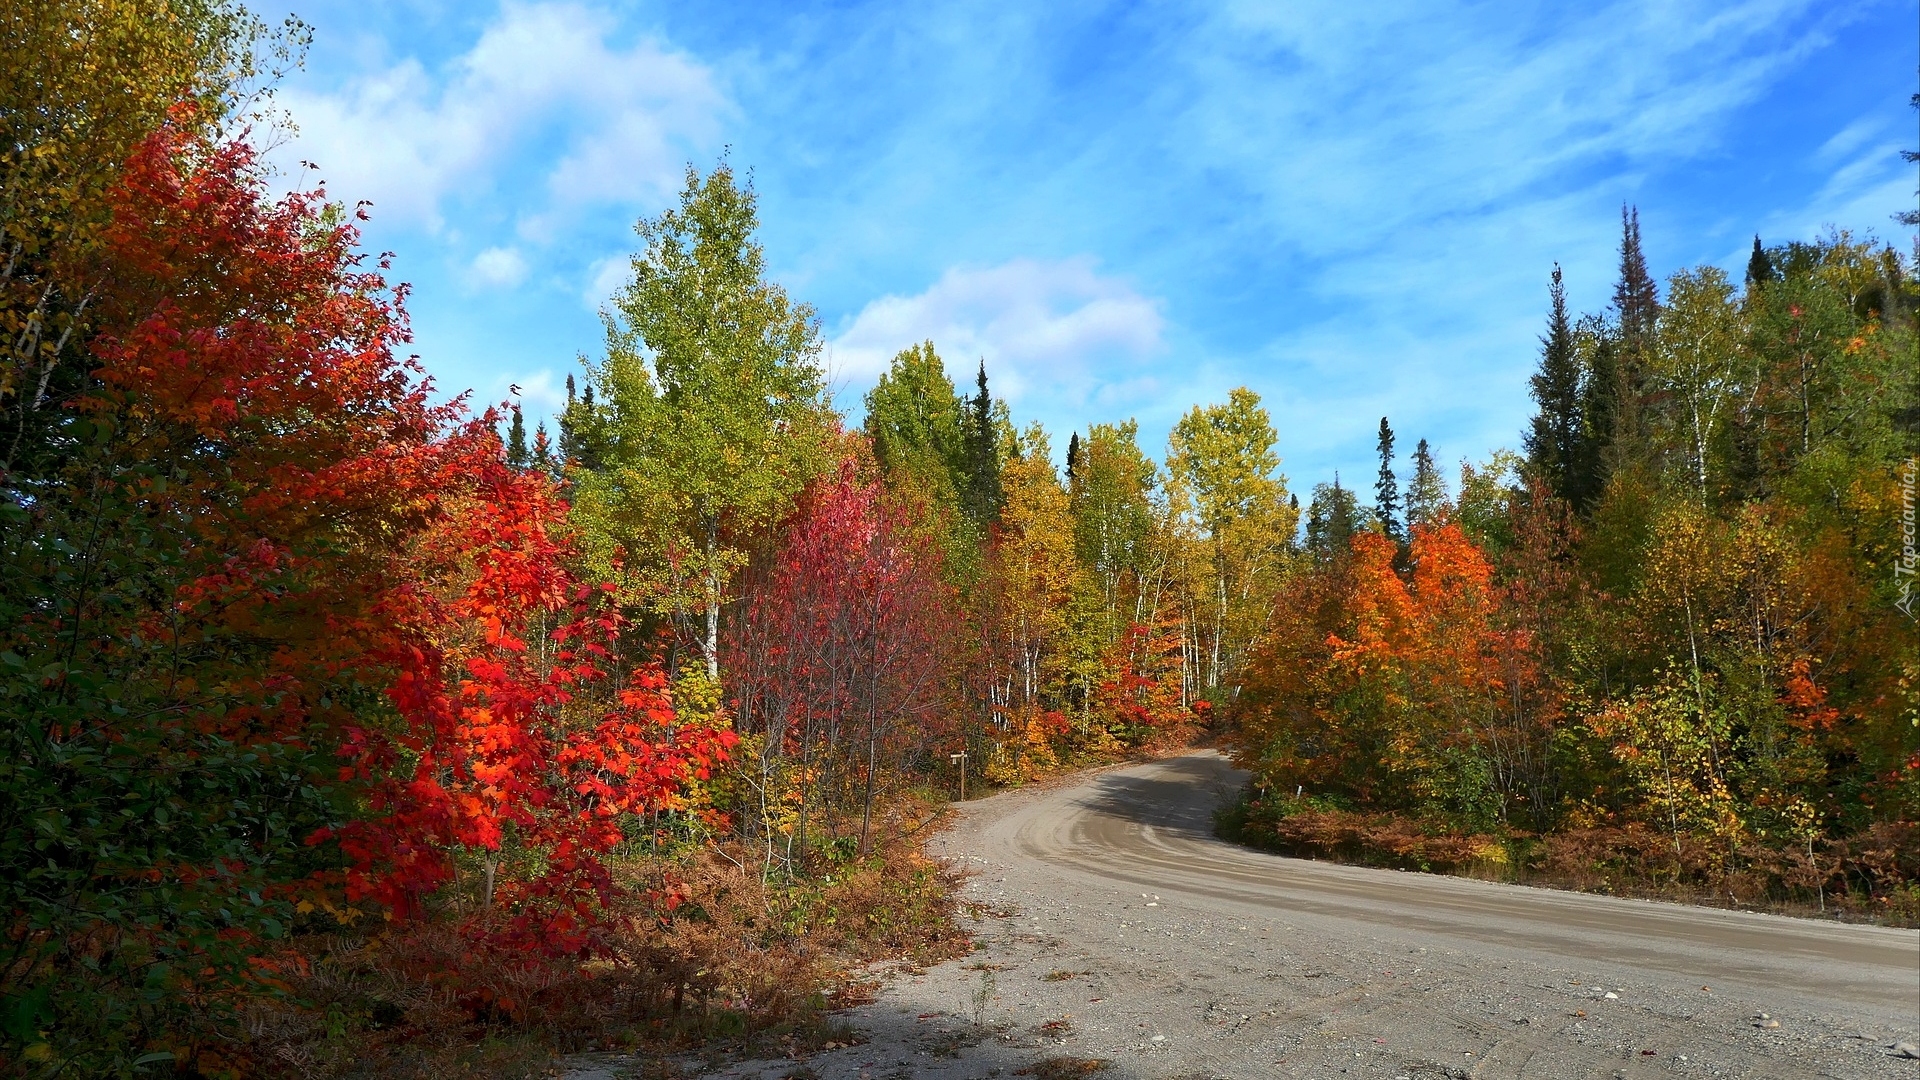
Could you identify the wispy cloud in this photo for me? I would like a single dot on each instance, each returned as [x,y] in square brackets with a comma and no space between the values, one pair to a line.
[1039,326]
[545,82]
[1127,209]
[499,268]
[603,278]
[1351,123]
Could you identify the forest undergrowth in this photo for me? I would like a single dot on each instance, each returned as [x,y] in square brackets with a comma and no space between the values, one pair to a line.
[708,952]
[1866,878]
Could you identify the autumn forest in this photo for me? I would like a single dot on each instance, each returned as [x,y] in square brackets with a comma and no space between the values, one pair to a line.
[343,716]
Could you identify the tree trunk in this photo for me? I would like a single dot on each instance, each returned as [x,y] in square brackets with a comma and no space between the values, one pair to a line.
[710,646]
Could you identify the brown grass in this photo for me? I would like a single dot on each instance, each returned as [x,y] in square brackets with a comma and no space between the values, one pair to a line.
[1872,875]
[1064,1068]
[743,961]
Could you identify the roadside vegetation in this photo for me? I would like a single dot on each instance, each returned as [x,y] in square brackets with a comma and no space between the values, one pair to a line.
[1671,650]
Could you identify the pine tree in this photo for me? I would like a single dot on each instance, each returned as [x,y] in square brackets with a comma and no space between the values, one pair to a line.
[1427,495]
[541,456]
[517,441]
[1636,299]
[1598,346]
[1386,489]
[580,441]
[1553,445]
[569,437]
[983,496]
[1636,313]
[1073,461]
[1332,518]
[1759,265]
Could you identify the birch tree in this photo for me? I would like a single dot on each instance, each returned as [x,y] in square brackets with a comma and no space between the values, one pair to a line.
[713,412]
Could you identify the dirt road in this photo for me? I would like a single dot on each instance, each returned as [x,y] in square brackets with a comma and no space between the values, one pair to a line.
[1130,935]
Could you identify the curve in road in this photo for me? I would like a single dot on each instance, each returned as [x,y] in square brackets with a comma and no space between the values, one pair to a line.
[1150,827]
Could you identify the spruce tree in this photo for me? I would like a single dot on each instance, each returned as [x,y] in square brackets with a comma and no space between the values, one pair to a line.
[1073,461]
[569,437]
[1553,444]
[983,496]
[1332,518]
[1599,347]
[1636,313]
[1636,299]
[1759,265]
[1428,492]
[1386,489]
[541,456]
[581,439]
[517,455]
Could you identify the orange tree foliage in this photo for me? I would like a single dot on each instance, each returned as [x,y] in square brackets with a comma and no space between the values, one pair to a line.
[1393,688]
[279,634]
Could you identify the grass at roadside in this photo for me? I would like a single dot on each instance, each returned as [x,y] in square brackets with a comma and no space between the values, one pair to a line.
[738,960]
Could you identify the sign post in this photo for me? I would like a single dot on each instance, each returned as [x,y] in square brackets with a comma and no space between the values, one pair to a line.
[961,760]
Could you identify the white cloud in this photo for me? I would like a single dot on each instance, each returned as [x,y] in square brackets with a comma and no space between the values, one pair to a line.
[541,392]
[499,267]
[405,137]
[1861,195]
[1850,138]
[1355,123]
[604,278]
[1038,325]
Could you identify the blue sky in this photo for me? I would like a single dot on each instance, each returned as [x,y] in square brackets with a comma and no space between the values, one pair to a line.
[1352,208]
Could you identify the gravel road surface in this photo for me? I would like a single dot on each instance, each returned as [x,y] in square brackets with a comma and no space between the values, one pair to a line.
[1118,930]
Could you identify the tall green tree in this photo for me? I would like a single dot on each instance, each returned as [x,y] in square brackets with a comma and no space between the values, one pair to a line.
[713,412]
[580,444]
[517,455]
[1759,265]
[1332,518]
[1386,486]
[983,497]
[1636,317]
[918,425]
[1636,298]
[1596,345]
[1221,463]
[1554,450]
[1427,493]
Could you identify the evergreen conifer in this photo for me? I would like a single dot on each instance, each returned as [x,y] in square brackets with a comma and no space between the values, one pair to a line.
[1386,489]
[1428,492]
[1553,445]
[983,496]
[517,441]
[1759,265]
